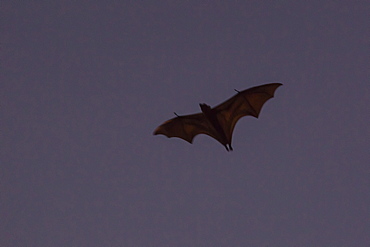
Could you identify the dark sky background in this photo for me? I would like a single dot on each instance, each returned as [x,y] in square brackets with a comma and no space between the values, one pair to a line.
[85,83]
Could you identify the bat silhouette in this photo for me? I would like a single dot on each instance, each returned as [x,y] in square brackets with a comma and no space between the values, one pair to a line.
[219,122]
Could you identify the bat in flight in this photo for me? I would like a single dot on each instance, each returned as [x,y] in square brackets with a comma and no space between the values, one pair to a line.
[219,122]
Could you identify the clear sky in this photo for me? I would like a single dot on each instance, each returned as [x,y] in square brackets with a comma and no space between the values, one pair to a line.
[83,84]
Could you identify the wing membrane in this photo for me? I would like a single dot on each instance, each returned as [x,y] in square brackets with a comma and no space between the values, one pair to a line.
[186,127]
[245,103]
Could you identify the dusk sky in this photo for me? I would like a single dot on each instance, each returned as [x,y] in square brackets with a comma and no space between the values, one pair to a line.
[83,85]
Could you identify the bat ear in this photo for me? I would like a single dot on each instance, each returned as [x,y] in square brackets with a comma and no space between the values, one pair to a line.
[204,107]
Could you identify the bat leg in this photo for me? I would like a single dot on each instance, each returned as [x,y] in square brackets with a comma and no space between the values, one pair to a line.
[228,147]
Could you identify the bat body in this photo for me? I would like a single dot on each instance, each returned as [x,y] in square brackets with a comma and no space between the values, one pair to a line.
[219,122]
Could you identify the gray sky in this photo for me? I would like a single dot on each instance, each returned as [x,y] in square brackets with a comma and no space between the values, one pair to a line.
[84,84]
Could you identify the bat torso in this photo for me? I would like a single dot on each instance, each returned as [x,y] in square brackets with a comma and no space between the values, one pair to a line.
[212,118]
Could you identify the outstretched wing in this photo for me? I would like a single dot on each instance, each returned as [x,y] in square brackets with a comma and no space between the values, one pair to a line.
[186,127]
[244,103]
